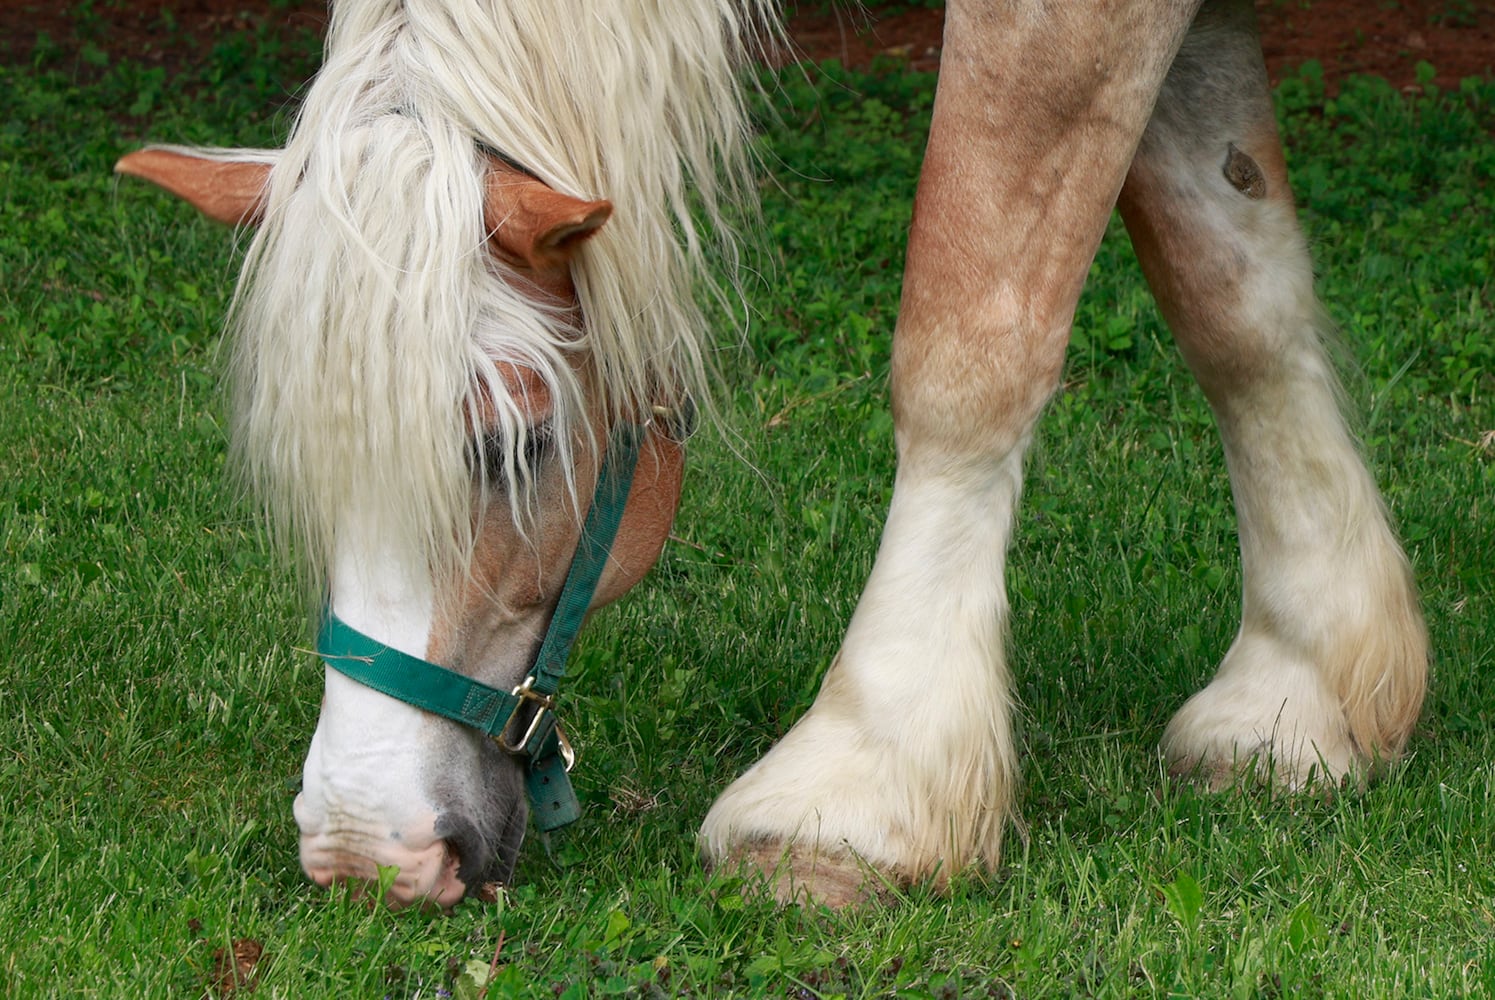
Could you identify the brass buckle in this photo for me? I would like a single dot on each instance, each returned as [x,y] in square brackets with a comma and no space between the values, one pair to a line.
[677,423]
[523,693]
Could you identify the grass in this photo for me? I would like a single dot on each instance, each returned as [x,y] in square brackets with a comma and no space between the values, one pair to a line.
[157,703]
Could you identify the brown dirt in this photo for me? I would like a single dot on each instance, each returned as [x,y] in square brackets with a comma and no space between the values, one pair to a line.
[1383,37]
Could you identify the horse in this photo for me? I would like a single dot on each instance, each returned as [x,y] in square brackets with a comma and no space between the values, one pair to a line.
[466,348]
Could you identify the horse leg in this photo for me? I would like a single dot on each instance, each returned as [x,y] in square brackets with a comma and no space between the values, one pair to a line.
[1328,672]
[905,764]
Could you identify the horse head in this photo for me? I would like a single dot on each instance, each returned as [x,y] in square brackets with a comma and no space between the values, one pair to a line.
[387,783]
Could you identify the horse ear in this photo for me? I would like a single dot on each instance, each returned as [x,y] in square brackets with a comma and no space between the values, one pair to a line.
[534,225]
[231,191]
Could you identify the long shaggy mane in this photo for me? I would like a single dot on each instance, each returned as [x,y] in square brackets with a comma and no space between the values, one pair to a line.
[369,319]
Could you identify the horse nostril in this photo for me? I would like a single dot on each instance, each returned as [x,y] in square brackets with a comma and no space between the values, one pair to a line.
[481,855]
[466,847]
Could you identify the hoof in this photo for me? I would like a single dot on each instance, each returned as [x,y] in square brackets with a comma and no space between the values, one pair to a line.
[1217,775]
[1268,716]
[807,876]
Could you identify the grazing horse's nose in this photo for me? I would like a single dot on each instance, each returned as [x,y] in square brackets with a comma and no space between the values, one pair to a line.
[387,785]
[423,873]
[368,805]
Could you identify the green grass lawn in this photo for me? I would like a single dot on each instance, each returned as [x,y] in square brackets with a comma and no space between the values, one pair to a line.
[156,698]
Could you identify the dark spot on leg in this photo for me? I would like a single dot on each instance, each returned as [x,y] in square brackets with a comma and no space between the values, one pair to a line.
[1243,173]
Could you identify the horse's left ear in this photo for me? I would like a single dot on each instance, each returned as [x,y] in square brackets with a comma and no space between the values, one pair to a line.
[224,189]
[534,225]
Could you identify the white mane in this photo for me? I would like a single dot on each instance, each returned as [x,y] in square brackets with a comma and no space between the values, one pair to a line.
[368,314]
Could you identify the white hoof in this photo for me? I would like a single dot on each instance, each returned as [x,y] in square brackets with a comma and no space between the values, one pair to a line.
[838,810]
[1267,714]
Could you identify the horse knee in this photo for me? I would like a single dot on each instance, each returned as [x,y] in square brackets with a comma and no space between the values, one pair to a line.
[975,384]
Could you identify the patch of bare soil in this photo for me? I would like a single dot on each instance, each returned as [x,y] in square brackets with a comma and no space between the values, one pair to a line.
[171,33]
[228,971]
[1386,38]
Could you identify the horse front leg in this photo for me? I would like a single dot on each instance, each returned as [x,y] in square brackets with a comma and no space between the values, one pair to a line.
[1327,674]
[904,767]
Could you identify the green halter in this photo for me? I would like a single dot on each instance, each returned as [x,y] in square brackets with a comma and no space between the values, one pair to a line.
[538,740]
